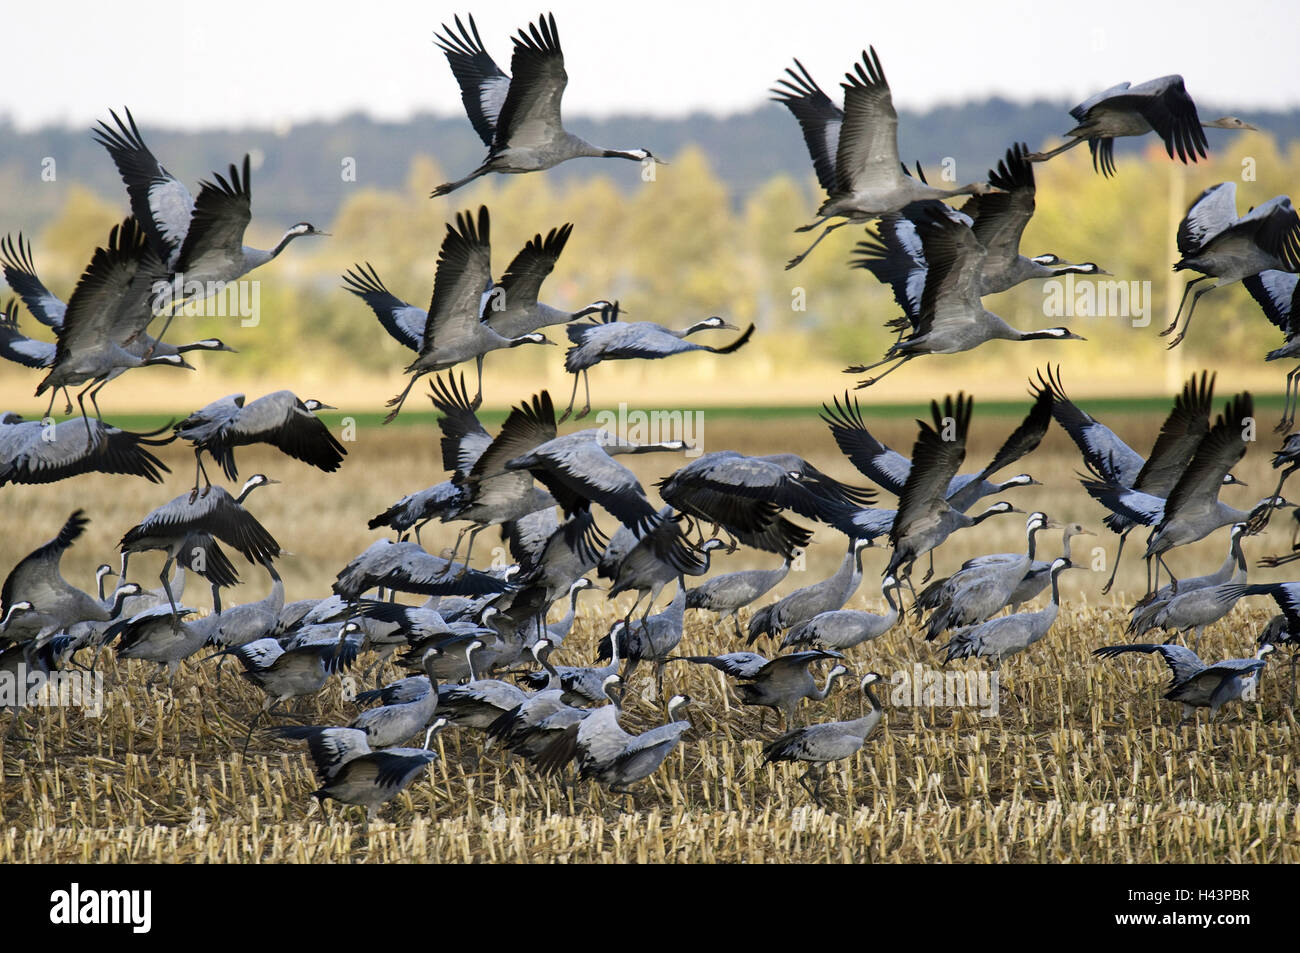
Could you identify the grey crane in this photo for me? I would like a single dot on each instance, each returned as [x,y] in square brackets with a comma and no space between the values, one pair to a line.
[895,256]
[643,571]
[1288,456]
[1278,294]
[1161,105]
[279,419]
[578,469]
[456,329]
[530,727]
[1287,597]
[19,269]
[948,316]
[845,628]
[1279,631]
[1193,509]
[55,603]
[889,469]
[30,352]
[518,116]
[746,496]
[1118,468]
[492,493]
[982,586]
[855,150]
[406,567]
[727,594]
[303,669]
[583,685]
[203,238]
[109,305]
[1008,635]
[650,639]
[32,452]
[511,306]
[607,754]
[213,254]
[480,701]
[156,635]
[514,308]
[802,604]
[1195,684]
[1143,616]
[605,338]
[819,745]
[416,510]
[925,517]
[463,441]
[181,525]
[351,773]
[1196,610]
[241,624]
[780,683]
[392,723]
[1040,570]
[1215,242]
[553,563]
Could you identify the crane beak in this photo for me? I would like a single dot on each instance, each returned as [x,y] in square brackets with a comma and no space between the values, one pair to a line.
[327,407]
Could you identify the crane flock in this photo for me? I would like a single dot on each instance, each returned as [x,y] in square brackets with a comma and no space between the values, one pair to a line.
[544,489]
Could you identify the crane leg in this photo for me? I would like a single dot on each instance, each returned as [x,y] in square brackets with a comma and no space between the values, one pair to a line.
[1187,322]
[455,549]
[883,374]
[1288,407]
[929,573]
[1182,301]
[573,395]
[586,391]
[397,402]
[478,398]
[469,548]
[1173,581]
[1115,568]
[808,251]
[81,402]
[167,588]
[1044,156]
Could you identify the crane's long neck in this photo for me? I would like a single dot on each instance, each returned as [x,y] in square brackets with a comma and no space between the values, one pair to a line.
[469,660]
[887,592]
[275,598]
[119,599]
[1033,542]
[825,690]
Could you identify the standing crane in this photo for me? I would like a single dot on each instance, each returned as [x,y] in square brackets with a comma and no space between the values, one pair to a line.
[819,745]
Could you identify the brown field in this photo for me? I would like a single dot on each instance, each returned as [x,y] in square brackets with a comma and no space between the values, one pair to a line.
[1085,762]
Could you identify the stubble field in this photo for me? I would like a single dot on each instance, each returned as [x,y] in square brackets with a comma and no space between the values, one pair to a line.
[1083,761]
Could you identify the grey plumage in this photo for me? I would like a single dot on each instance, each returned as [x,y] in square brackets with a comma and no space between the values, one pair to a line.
[1193,683]
[517,116]
[819,745]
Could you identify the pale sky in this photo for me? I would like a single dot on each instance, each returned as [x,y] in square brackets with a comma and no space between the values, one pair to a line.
[185,63]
